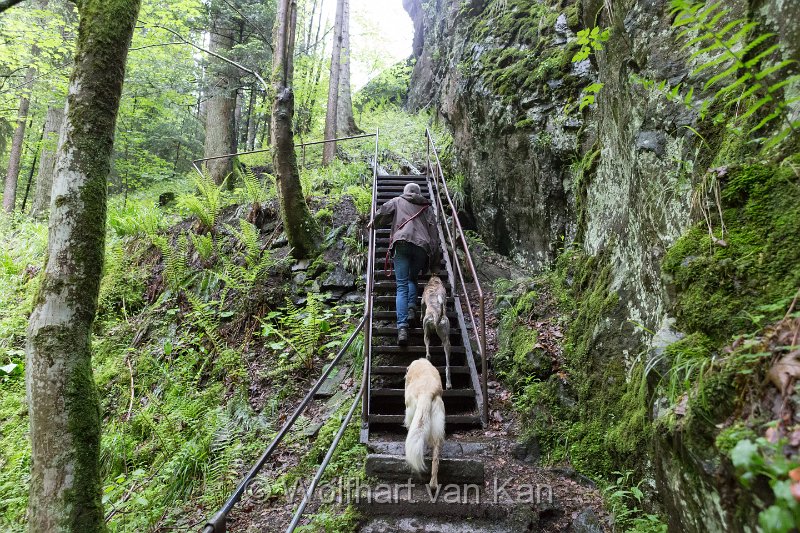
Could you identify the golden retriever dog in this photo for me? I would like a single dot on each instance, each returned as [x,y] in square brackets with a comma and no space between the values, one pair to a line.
[434,299]
[424,416]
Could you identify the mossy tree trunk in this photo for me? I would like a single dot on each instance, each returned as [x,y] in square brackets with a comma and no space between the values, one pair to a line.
[47,161]
[65,485]
[329,149]
[221,106]
[301,228]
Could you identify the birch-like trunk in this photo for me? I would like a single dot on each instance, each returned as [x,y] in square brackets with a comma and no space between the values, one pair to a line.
[302,230]
[345,123]
[63,407]
[329,149]
[47,161]
[221,106]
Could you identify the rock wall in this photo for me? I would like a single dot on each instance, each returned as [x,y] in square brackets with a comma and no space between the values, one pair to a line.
[615,178]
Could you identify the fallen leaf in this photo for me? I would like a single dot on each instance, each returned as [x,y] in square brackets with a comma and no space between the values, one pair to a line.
[794,440]
[785,371]
[794,475]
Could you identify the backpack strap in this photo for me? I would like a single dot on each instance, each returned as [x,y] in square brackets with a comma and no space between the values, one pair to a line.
[401,226]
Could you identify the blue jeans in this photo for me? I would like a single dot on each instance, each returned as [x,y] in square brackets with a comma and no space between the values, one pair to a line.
[409,260]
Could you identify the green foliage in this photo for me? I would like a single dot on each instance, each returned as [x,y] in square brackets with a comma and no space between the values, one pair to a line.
[253,191]
[763,458]
[745,74]
[176,261]
[625,501]
[590,40]
[297,332]
[241,272]
[136,218]
[207,202]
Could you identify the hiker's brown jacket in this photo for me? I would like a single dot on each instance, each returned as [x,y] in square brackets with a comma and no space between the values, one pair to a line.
[420,231]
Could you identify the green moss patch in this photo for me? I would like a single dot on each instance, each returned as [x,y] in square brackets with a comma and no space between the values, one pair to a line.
[723,290]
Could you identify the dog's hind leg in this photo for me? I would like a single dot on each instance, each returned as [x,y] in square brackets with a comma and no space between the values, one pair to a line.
[435,465]
[427,336]
[444,334]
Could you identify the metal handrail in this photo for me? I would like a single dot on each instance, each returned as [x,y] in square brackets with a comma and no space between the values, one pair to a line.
[369,296]
[438,176]
[217,523]
[303,145]
[321,470]
[363,391]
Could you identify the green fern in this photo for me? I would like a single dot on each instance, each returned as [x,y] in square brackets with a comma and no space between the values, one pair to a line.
[205,245]
[242,278]
[176,266]
[207,203]
[746,77]
[253,191]
[299,329]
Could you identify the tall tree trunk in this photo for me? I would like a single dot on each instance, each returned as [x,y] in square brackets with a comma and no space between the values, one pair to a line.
[345,123]
[329,149]
[221,106]
[47,162]
[15,157]
[301,228]
[253,120]
[63,406]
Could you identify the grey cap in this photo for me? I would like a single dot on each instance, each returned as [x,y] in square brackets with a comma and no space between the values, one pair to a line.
[411,188]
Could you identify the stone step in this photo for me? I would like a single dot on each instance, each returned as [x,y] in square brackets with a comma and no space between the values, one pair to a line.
[450,449]
[394,468]
[414,524]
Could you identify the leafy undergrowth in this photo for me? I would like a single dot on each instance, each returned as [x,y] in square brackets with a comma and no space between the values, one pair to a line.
[205,337]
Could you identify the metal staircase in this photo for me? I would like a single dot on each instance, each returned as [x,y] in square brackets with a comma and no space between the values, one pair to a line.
[384,406]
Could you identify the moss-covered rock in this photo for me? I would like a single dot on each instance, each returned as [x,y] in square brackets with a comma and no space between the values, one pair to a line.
[722,288]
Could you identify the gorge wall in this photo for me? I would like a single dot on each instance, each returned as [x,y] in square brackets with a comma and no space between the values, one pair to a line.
[608,194]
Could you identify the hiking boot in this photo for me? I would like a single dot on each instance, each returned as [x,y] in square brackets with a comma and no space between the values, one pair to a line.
[402,336]
[412,314]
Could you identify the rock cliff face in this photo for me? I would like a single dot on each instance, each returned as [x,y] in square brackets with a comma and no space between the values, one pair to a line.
[616,178]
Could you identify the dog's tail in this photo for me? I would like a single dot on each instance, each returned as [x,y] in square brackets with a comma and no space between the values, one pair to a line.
[427,425]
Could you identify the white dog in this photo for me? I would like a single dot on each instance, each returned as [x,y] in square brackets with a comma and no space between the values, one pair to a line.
[434,298]
[424,416]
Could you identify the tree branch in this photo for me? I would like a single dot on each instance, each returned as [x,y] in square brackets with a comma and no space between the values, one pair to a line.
[5,4]
[267,40]
[214,54]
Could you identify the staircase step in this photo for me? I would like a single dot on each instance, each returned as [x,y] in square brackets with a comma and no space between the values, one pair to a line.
[395,468]
[414,333]
[390,301]
[391,285]
[450,420]
[392,315]
[384,274]
[384,401]
[396,370]
[411,523]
